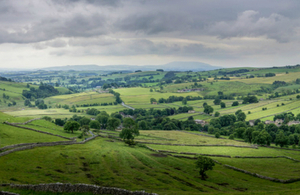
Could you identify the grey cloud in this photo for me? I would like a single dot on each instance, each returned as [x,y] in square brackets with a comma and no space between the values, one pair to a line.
[50,28]
[112,3]
[100,41]
[250,24]
[154,23]
[57,43]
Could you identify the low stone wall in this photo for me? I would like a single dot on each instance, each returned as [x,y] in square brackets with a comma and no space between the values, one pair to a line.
[287,157]
[214,145]
[38,145]
[255,157]
[25,122]
[263,177]
[78,188]
[11,124]
[7,193]
[88,139]
[281,148]
[212,155]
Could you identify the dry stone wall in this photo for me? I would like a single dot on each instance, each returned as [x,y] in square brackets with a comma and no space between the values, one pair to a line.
[25,122]
[212,145]
[7,193]
[78,188]
[13,124]
[37,145]
[263,177]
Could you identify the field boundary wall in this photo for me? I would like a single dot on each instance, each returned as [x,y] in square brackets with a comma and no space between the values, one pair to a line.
[263,177]
[13,124]
[77,188]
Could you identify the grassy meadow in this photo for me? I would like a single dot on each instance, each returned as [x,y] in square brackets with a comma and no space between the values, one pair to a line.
[107,163]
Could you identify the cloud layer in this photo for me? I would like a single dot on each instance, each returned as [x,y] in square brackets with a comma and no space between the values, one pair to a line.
[218,32]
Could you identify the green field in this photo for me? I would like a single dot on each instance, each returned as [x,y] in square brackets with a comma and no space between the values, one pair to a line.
[114,164]
[12,135]
[81,98]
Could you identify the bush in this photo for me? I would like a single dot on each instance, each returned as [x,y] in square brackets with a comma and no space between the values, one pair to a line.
[231,136]
[217,135]
[47,118]
[235,103]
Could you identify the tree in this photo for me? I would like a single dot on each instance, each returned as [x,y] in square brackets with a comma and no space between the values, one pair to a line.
[281,139]
[130,131]
[71,126]
[153,100]
[217,101]
[235,103]
[84,121]
[143,125]
[223,105]
[95,124]
[102,119]
[248,134]
[204,164]
[217,114]
[262,138]
[208,109]
[27,102]
[184,101]
[113,123]
[241,116]
[59,122]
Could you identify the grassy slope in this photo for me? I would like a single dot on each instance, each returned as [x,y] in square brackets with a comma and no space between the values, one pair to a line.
[115,164]
[12,135]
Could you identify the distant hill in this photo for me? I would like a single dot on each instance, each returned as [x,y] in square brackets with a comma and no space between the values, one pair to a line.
[174,66]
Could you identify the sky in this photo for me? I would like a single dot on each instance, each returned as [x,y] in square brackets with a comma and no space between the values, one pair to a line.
[231,33]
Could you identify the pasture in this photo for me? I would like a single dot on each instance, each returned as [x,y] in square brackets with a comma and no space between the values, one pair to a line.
[13,135]
[107,162]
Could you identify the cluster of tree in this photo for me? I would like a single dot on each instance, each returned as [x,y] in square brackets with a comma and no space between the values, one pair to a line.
[175,99]
[40,104]
[102,121]
[5,79]
[286,117]
[250,99]
[156,113]
[220,96]
[236,127]
[270,75]
[223,72]
[277,84]
[117,95]
[287,92]
[92,111]
[42,92]
[5,96]
[157,119]
[97,104]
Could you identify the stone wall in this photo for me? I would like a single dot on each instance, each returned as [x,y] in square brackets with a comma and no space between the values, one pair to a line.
[281,148]
[25,122]
[38,145]
[198,145]
[287,157]
[13,124]
[7,193]
[78,188]
[263,177]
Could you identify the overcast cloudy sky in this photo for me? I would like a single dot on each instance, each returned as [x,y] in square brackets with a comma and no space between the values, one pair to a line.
[142,32]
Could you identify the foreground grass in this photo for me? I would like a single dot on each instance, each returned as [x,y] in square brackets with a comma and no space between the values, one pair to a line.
[114,164]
